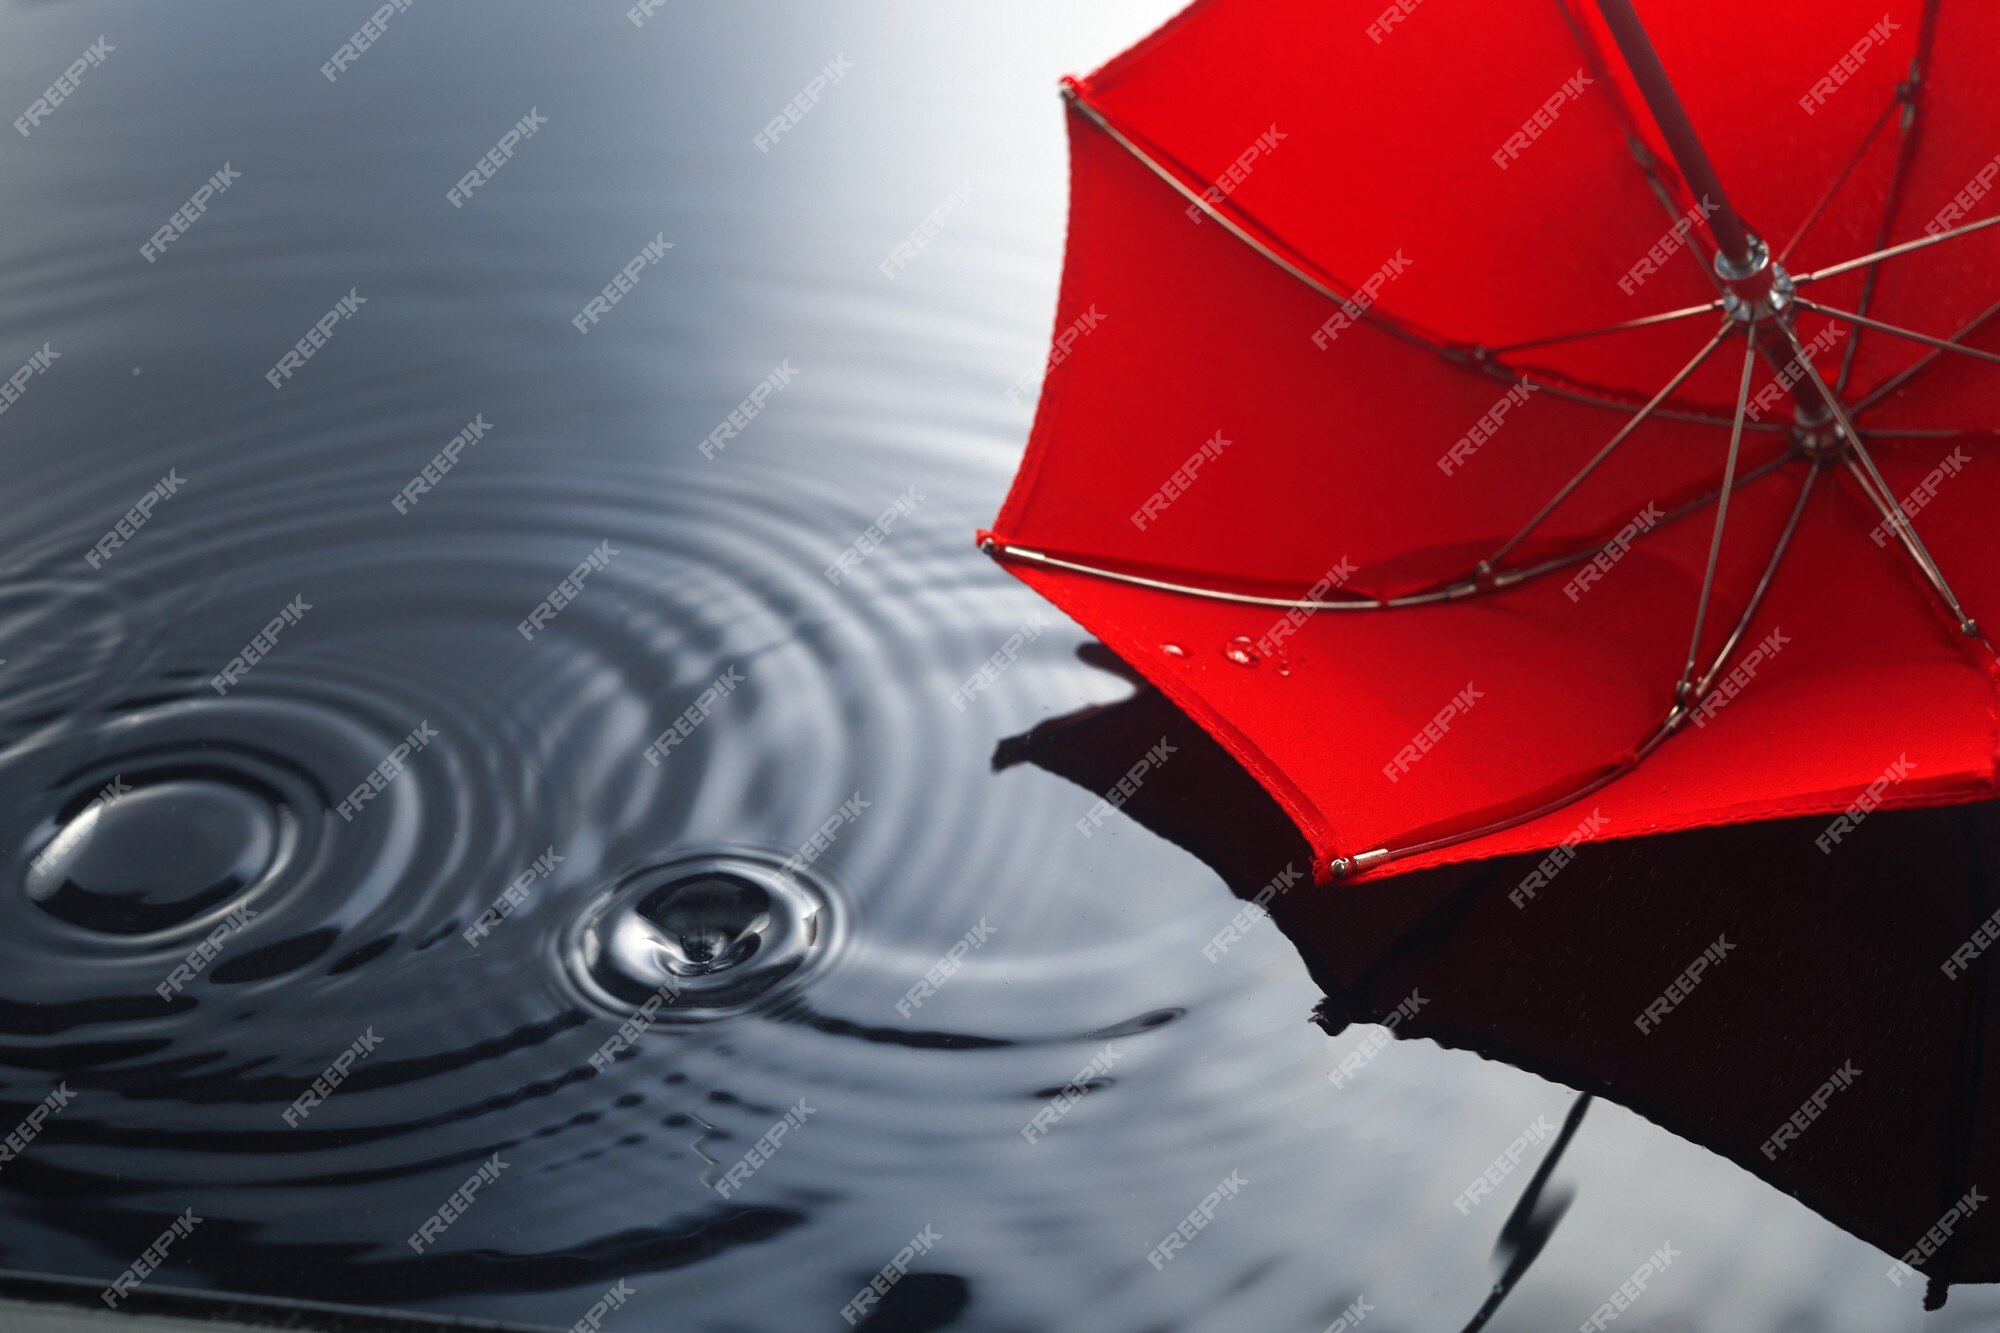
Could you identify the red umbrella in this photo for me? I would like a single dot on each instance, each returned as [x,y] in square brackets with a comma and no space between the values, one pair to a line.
[1427,420]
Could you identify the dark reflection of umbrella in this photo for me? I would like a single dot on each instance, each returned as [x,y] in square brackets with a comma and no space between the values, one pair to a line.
[1816,963]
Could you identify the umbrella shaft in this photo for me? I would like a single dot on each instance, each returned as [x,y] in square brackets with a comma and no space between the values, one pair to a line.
[1731,236]
[1810,412]
[1744,262]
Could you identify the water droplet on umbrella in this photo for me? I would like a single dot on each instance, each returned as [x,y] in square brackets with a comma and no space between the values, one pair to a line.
[157,855]
[1242,651]
[709,934]
[1173,650]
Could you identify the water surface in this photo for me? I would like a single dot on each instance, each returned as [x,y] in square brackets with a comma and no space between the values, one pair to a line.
[152,821]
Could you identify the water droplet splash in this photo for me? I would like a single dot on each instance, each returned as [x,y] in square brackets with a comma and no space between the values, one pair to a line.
[1242,651]
[713,933]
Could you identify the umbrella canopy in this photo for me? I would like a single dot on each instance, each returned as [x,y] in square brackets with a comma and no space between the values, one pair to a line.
[1810,1017]
[1424,420]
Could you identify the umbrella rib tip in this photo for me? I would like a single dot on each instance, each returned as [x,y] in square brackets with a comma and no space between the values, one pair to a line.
[1343,866]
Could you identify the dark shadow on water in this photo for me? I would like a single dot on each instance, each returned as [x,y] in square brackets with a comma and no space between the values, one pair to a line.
[1794,1009]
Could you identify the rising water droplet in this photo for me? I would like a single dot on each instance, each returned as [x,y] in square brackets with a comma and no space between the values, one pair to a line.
[155,854]
[1242,651]
[709,934]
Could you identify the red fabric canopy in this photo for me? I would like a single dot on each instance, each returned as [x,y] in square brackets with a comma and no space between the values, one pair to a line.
[1468,180]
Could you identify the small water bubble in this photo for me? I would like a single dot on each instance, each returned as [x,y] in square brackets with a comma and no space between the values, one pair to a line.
[1242,651]
[1173,650]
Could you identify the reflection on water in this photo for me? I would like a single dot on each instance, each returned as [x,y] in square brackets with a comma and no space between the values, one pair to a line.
[463,742]
[1717,981]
